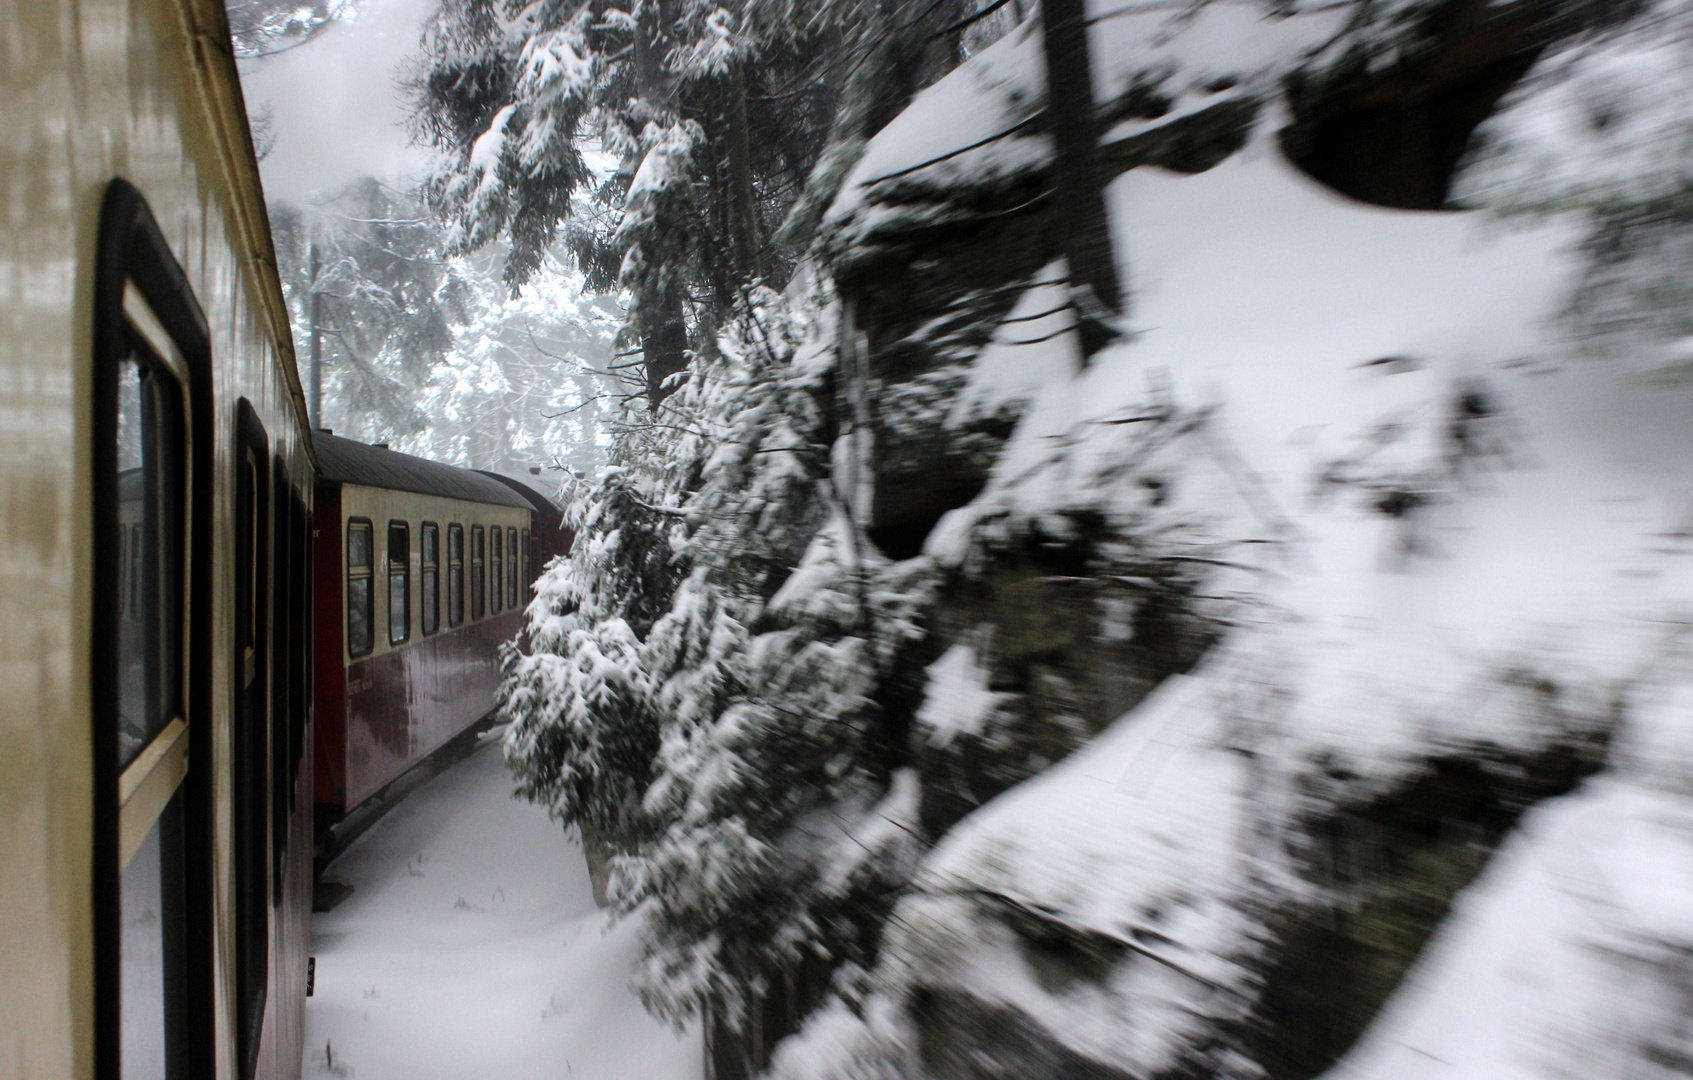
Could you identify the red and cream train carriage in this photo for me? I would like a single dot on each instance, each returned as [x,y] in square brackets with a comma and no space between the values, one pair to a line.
[422,572]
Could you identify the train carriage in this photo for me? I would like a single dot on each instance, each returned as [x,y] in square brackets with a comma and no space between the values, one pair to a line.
[423,570]
[156,472]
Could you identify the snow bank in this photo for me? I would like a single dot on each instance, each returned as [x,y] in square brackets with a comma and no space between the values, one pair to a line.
[1570,957]
[471,947]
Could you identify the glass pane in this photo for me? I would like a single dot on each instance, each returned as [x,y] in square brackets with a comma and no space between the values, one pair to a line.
[455,595]
[431,544]
[431,582]
[511,568]
[455,544]
[148,549]
[358,545]
[399,613]
[476,572]
[359,635]
[132,510]
[142,993]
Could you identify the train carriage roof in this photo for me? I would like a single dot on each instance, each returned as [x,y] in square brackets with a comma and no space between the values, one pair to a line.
[345,461]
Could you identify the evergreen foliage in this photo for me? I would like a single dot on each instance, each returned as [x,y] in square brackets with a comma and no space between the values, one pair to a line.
[701,691]
[387,304]
[430,353]
[714,117]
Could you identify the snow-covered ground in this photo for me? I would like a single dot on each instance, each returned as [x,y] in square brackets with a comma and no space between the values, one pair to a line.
[472,948]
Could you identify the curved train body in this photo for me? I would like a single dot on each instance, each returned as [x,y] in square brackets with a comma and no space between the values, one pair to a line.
[156,471]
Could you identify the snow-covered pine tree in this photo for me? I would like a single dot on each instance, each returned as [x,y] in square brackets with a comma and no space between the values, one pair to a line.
[386,303]
[704,696]
[713,118]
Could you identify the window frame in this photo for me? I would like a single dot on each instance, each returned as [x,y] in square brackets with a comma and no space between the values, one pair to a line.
[455,576]
[478,571]
[141,294]
[250,772]
[512,574]
[429,579]
[496,570]
[350,573]
[399,630]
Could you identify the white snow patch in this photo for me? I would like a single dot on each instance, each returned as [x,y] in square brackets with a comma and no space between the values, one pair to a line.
[1030,348]
[1571,955]
[956,699]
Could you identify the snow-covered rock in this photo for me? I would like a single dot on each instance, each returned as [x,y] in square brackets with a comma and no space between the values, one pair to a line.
[1449,555]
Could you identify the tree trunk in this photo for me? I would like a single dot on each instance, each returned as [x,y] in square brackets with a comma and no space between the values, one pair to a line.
[743,210]
[1083,223]
[664,333]
[664,341]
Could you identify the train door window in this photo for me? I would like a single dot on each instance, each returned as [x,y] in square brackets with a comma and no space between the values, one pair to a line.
[429,586]
[302,670]
[455,575]
[476,576]
[252,729]
[511,568]
[146,602]
[528,570]
[496,569]
[360,588]
[399,582]
[286,609]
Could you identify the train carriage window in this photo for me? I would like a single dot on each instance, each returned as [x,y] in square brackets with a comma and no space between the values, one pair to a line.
[303,624]
[455,575]
[477,535]
[528,570]
[399,582]
[496,569]
[149,541]
[429,587]
[360,618]
[511,568]
[150,658]
[252,729]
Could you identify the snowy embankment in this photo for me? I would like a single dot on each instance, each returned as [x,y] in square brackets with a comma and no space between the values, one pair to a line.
[471,947]
[1442,532]
[1352,356]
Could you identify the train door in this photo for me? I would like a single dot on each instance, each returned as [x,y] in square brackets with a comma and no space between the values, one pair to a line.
[252,736]
[150,459]
[282,707]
